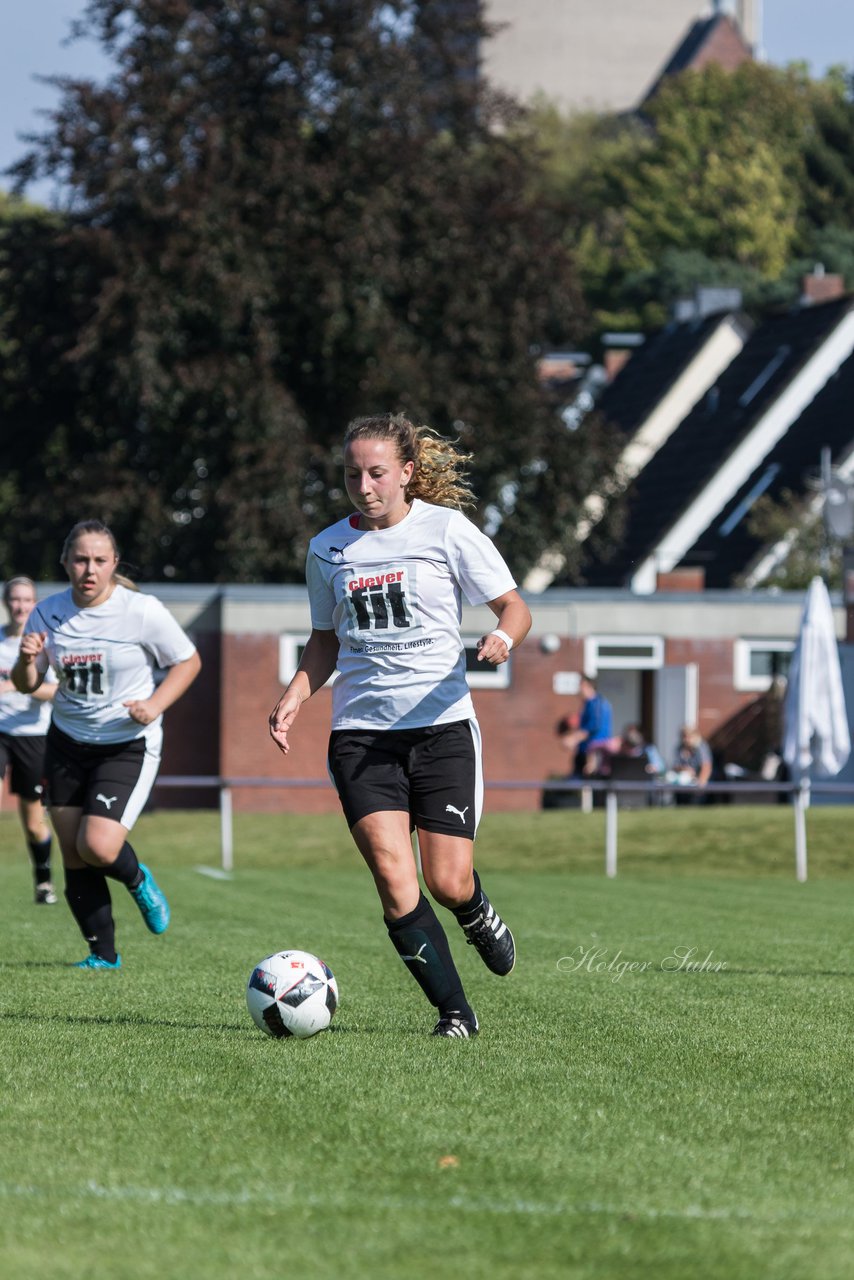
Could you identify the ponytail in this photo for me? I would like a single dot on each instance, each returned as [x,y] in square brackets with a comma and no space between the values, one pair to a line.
[439,476]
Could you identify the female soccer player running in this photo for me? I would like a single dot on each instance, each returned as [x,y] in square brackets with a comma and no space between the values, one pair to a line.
[24,723]
[103,639]
[385,588]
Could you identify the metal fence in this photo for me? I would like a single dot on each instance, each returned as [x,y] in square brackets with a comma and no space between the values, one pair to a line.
[799,793]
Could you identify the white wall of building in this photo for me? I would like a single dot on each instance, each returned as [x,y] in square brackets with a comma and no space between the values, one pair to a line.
[600,57]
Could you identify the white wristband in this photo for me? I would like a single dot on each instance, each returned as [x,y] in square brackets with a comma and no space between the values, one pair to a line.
[508,640]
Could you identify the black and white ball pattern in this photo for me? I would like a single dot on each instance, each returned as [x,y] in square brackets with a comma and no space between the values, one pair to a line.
[292,993]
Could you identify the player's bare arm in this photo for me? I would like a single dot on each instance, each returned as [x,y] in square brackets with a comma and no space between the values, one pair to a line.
[30,669]
[176,682]
[514,623]
[316,666]
[45,692]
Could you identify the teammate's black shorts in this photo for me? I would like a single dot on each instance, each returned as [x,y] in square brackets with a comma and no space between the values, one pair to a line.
[107,780]
[25,753]
[433,774]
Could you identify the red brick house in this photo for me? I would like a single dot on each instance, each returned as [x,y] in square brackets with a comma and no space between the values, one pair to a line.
[663,659]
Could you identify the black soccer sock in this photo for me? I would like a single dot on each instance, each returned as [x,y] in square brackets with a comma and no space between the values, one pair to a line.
[88,896]
[420,941]
[125,868]
[40,855]
[469,911]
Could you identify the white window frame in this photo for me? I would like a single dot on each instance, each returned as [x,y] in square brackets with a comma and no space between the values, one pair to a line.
[289,645]
[490,677]
[650,655]
[743,680]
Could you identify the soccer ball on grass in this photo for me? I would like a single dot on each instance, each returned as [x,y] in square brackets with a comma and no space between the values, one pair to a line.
[292,993]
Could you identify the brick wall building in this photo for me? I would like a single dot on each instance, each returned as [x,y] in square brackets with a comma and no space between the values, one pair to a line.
[662,660]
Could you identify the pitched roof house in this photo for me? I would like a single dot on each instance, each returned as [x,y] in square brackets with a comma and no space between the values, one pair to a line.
[649,398]
[727,549]
[703,473]
[716,39]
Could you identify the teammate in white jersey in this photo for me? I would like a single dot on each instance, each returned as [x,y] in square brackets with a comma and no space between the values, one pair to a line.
[385,588]
[103,639]
[24,723]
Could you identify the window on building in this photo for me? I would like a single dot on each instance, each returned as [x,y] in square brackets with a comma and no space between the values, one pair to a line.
[291,649]
[481,675]
[623,653]
[758,662]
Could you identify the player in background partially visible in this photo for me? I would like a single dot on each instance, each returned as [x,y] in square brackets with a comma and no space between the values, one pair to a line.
[385,587]
[103,638]
[24,721]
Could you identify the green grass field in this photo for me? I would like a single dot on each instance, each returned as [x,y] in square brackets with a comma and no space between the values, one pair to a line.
[608,1122]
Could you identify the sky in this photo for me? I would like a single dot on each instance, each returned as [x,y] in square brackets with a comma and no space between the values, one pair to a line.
[32,35]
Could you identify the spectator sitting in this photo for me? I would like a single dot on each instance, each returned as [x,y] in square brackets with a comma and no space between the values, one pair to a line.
[634,746]
[692,762]
[591,744]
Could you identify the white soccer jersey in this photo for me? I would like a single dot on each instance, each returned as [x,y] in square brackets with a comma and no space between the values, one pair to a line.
[394,599]
[21,715]
[104,656]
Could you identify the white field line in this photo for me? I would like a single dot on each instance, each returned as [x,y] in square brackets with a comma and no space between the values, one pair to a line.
[215,873]
[528,1208]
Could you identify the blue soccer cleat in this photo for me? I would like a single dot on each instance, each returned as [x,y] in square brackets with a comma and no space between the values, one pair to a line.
[151,901]
[98,962]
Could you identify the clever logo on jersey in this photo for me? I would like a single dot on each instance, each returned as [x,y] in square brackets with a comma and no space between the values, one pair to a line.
[83,674]
[379,602]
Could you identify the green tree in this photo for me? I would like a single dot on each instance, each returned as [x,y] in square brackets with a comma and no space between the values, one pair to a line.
[283,214]
[789,520]
[829,153]
[728,177]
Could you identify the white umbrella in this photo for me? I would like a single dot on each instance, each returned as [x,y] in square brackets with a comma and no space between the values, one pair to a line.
[817,739]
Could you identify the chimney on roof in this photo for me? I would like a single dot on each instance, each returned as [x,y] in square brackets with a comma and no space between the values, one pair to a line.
[820,286]
[618,350]
[708,300]
[614,360]
[689,579]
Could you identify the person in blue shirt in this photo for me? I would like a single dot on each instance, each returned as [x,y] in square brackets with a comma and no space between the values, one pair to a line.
[595,732]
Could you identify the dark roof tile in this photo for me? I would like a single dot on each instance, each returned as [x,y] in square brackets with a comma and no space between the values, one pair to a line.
[727,548]
[676,475]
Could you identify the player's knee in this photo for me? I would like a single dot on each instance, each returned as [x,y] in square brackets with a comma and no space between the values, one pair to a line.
[94,851]
[37,829]
[450,886]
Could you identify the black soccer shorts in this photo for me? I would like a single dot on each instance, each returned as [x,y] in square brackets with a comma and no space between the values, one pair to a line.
[434,774]
[25,753]
[107,780]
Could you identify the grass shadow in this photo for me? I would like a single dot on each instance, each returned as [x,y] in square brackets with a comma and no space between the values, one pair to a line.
[122,1020]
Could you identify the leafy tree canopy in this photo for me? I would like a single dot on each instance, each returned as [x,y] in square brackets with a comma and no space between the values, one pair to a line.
[728,177]
[280,214]
[793,523]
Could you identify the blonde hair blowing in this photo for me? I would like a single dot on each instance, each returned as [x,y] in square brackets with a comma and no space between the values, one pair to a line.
[439,476]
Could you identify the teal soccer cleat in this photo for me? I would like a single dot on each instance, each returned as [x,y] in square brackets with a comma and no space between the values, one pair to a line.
[151,901]
[98,962]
